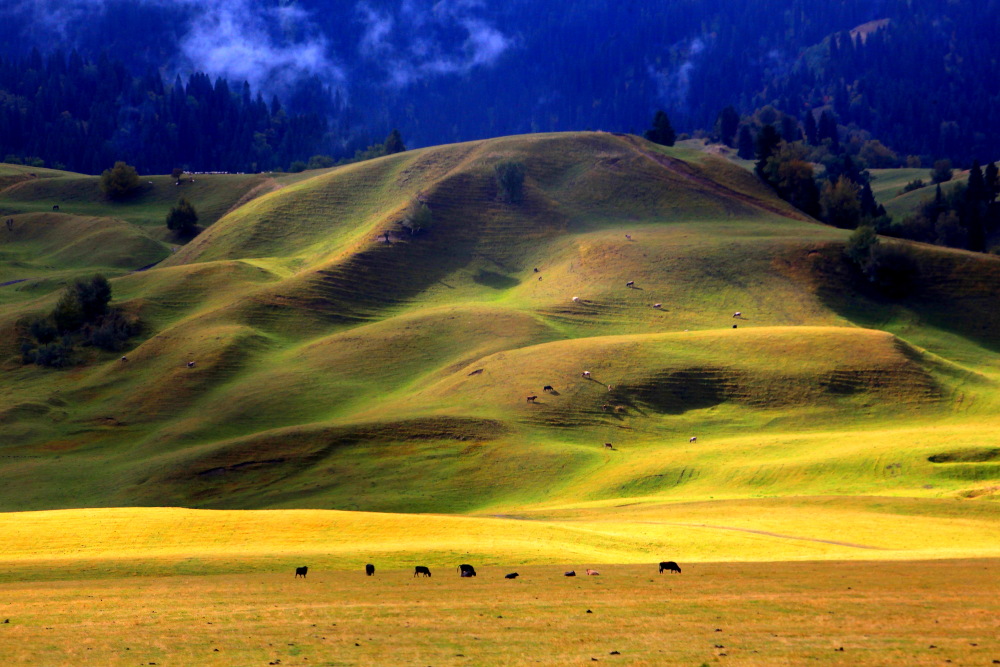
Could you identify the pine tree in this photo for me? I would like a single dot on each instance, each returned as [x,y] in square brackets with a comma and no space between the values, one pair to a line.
[394,143]
[767,143]
[662,131]
[976,190]
[810,128]
[745,145]
[827,129]
[991,180]
[869,206]
[728,122]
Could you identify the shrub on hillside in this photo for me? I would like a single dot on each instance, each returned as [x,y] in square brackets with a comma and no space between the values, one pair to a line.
[113,330]
[941,173]
[81,316]
[52,355]
[915,184]
[320,162]
[418,217]
[182,218]
[510,181]
[119,181]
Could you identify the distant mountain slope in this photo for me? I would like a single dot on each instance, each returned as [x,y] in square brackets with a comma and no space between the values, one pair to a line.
[918,74]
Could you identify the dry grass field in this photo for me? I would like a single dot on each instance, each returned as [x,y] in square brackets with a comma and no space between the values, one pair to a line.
[834,613]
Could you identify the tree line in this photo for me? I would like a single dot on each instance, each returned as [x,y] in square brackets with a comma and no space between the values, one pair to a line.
[68,112]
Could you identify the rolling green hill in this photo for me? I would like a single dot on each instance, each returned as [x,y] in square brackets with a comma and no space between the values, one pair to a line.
[337,367]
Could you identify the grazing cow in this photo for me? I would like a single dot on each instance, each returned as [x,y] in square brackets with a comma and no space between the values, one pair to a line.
[467,570]
[571,573]
[536,269]
[737,314]
[592,572]
[628,236]
[693,438]
[657,305]
[611,387]
[531,399]
[420,569]
[512,575]
[301,571]
[190,364]
[370,570]
[604,408]
[734,326]
[630,283]
[548,387]
[586,374]
[124,359]
[56,207]
[576,299]
[607,445]
[670,566]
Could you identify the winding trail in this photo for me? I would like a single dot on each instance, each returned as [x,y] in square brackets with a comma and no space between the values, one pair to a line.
[767,533]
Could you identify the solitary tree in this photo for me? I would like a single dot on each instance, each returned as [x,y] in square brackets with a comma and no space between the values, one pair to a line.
[662,131]
[418,217]
[182,217]
[119,181]
[394,143]
[510,181]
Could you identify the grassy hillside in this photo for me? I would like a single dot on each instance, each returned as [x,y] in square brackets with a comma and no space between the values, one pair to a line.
[337,370]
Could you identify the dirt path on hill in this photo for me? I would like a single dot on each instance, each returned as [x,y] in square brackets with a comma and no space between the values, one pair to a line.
[685,171]
[712,527]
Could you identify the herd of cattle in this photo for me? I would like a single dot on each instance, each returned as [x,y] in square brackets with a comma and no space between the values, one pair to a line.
[466,570]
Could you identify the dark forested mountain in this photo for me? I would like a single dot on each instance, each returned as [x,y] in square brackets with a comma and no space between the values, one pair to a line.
[924,78]
[83,115]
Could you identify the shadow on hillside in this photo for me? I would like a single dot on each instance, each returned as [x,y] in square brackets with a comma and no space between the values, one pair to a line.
[954,292]
[495,280]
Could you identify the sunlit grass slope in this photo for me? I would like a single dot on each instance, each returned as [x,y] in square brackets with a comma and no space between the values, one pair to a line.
[335,370]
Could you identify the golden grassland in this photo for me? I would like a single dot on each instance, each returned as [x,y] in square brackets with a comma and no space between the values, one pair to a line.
[835,613]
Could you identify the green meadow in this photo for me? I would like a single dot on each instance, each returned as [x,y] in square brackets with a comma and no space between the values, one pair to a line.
[360,394]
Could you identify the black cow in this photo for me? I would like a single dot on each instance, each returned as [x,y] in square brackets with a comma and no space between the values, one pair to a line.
[420,569]
[370,570]
[301,571]
[571,573]
[466,570]
[670,566]
[512,575]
